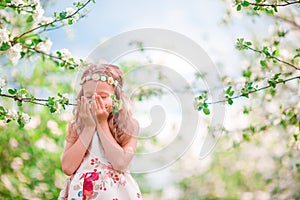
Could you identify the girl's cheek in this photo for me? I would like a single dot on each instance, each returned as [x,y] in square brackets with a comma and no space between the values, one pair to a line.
[108,103]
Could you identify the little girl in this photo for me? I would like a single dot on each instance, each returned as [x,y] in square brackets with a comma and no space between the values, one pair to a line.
[101,140]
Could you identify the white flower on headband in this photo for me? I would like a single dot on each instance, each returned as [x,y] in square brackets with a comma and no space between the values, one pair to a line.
[115,82]
[95,77]
[103,78]
[110,80]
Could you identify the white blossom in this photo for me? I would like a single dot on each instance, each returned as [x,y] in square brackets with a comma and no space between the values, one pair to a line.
[46,20]
[14,53]
[17,2]
[65,53]
[75,17]
[4,35]
[4,15]
[17,163]
[39,12]
[25,117]
[2,83]
[44,46]
[268,76]
[28,41]
[71,11]
[34,2]
[12,114]
[13,142]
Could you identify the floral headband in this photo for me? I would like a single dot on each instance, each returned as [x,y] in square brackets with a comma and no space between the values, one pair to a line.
[97,77]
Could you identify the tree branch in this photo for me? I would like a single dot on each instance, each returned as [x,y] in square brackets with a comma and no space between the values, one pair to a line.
[292,22]
[50,23]
[30,100]
[273,57]
[20,7]
[255,90]
[268,5]
[49,55]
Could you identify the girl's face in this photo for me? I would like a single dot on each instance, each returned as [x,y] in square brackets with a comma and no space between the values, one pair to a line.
[101,88]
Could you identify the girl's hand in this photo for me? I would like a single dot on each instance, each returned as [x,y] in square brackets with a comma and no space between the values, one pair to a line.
[85,113]
[101,111]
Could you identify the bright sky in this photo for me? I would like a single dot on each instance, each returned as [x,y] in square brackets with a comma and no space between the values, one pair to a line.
[200,20]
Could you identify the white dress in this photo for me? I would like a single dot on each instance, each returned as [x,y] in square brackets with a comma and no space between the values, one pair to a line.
[96,179]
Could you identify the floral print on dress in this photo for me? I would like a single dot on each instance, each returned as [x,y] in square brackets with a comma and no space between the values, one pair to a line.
[107,174]
[88,184]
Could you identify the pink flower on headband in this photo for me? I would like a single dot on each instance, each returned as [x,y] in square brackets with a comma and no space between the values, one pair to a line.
[110,80]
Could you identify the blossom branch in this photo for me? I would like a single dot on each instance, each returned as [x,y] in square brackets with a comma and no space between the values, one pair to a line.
[277,5]
[19,7]
[256,90]
[49,55]
[51,23]
[292,22]
[272,57]
[30,100]
[56,27]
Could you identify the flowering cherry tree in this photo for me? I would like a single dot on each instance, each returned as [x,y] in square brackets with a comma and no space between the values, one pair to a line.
[19,41]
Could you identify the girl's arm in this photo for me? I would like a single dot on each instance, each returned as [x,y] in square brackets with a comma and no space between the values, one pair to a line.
[117,155]
[74,151]
[76,146]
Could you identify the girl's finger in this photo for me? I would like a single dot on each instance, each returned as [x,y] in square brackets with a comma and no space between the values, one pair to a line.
[84,105]
[78,105]
[97,107]
[100,102]
[94,106]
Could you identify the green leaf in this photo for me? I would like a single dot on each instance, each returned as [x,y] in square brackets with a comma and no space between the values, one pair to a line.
[20,103]
[23,91]
[12,91]
[247,73]
[269,11]
[63,15]
[245,3]
[276,76]
[206,111]
[21,123]
[230,102]
[238,8]
[29,19]
[52,110]
[272,83]
[265,50]
[248,43]
[275,53]
[4,46]
[246,111]
[263,63]
[246,137]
